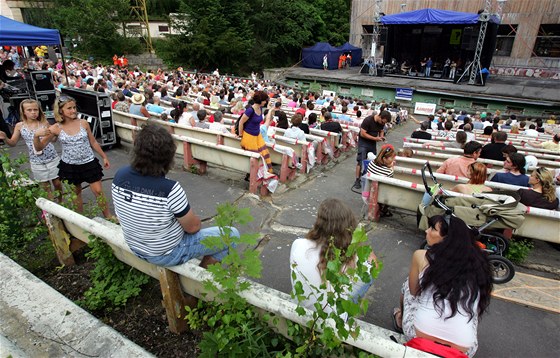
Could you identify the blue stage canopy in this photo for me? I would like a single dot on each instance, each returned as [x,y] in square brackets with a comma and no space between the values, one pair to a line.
[15,33]
[432,16]
[312,57]
[355,51]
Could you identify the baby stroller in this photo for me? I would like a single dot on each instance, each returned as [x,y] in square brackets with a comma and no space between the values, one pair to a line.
[482,213]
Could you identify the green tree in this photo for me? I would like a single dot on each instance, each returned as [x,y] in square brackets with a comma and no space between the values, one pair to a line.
[213,33]
[91,24]
[281,29]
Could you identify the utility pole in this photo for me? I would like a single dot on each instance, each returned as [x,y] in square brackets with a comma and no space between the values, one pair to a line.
[140,12]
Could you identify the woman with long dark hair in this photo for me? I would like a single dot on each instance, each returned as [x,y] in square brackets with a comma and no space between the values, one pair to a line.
[448,287]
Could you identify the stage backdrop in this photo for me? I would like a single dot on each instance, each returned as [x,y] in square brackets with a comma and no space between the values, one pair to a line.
[15,33]
[356,53]
[312,57]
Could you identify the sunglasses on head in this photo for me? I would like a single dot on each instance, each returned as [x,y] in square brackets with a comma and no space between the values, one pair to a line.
[65,99]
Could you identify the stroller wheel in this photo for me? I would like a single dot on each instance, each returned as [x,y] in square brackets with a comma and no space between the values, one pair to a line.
[502,269]
[496,242]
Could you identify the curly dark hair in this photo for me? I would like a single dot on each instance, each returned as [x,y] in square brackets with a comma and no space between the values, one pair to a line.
[260,96]
[154,150]
[458,270]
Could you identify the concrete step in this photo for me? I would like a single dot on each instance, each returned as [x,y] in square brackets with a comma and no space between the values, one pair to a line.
[38,321]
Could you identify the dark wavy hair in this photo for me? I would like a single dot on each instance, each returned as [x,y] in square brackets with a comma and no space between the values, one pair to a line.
[458,270]
[154,150]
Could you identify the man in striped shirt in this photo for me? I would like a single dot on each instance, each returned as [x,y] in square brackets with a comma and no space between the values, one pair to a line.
[158,222]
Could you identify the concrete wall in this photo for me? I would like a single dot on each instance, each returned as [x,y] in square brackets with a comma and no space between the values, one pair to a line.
[450,101]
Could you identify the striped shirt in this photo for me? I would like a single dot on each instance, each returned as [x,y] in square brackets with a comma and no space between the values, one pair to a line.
[148,208]
[379,170]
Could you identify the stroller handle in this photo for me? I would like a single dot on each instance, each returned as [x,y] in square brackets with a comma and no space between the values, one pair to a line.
[429,167]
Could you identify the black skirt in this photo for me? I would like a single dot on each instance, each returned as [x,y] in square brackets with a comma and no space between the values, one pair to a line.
[78,173]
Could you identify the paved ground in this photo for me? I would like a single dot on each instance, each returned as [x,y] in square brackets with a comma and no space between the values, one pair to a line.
[508,330]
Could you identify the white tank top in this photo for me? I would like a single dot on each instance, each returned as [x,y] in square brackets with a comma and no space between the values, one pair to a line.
[457,329]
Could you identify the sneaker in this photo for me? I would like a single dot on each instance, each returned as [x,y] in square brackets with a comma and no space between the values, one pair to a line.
[357,184]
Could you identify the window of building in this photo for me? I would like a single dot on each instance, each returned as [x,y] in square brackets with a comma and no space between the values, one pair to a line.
[163,28]
[514,110]
[368,92]
[479,105]
[548,41]
[345,90]
[505,39]
[446,102]
[134,30]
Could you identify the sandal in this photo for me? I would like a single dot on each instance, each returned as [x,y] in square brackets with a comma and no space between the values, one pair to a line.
[396,327]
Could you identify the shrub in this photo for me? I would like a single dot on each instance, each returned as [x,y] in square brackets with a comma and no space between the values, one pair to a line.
[519,250]
[20,224]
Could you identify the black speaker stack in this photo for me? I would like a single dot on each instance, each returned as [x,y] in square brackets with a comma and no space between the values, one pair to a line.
[95,107]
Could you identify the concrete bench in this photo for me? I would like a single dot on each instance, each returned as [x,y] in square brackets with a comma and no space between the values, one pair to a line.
[494,164]
[67,227]
[199,152]
[515,142]
[277,153]
[432,146]
[539,224]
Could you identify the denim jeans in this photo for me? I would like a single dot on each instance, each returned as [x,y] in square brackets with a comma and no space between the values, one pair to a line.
[190,247]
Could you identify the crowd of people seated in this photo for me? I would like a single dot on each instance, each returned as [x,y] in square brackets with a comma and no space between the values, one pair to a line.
[540,189]
[448,287]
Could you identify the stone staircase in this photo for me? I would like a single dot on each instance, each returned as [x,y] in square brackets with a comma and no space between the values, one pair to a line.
[146,60]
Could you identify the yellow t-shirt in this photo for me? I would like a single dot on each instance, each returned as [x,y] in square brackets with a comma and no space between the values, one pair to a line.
[550,145]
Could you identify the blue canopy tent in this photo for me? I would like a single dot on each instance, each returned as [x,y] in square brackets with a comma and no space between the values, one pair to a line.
[356,53]
[15,33]
[312,57]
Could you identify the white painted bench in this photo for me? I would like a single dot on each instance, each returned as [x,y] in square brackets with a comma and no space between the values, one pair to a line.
[539,224]
[277,152]
[67,227]
[458,151]
[198,152]
[494,164]
[515,142]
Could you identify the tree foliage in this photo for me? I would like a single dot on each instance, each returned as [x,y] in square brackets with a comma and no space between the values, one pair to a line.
[244,35]
[92,25]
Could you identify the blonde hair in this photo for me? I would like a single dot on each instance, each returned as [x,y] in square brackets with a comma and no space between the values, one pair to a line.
[334,225]
[41,119]
[514,129]
[58,104]
[547,183]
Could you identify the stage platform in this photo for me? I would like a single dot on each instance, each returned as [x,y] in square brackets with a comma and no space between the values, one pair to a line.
[540,92]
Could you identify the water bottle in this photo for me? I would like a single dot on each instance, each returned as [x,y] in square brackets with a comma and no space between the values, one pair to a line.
[49,115]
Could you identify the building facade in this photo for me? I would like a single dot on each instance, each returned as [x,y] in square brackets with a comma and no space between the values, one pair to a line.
[528,39]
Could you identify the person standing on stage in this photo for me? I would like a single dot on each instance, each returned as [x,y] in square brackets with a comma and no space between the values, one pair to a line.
[429,64]
[325,62]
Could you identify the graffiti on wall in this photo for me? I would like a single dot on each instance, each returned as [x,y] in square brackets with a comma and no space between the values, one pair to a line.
[526,72]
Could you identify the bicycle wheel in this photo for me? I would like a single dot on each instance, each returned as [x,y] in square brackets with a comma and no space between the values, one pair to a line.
[502,269]
[500,243]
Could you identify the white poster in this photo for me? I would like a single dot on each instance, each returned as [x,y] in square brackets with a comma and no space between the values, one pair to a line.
[327,93]
[424,108]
